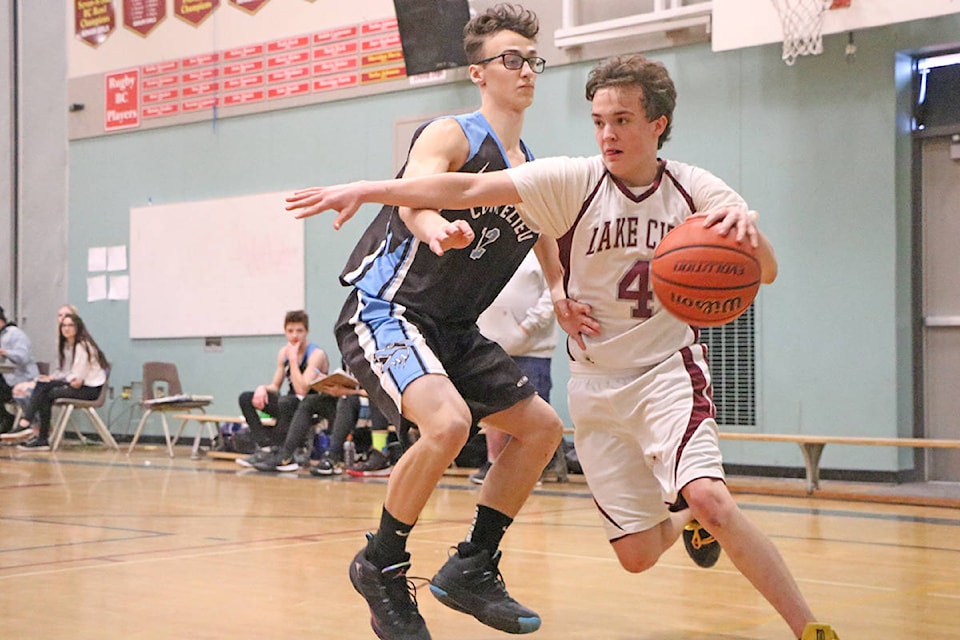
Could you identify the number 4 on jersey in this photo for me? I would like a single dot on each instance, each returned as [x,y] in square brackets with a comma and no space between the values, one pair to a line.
[635,285]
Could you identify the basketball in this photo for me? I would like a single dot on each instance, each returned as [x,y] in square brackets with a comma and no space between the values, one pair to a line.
[703,278]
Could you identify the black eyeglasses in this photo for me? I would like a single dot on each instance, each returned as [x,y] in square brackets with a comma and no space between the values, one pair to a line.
[514,61]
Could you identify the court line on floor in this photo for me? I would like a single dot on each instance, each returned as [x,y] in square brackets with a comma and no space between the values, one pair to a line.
[220,549]
[840,513]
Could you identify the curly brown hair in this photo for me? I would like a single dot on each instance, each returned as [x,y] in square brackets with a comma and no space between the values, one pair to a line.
[502,17]
[659,93]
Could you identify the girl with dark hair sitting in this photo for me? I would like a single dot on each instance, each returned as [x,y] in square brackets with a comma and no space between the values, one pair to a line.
[81,374]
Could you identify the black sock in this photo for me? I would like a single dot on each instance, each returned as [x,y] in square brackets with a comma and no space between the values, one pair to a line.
[389,545]
[487,531]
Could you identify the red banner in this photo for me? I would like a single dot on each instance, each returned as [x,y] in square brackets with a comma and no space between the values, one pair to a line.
[336,82]
[250,6]
[161,110]
[143,15]
[94,20]
[333,35]
[121,105]
[194,11]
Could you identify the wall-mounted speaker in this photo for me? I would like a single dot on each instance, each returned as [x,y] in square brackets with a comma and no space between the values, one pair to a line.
[431,33]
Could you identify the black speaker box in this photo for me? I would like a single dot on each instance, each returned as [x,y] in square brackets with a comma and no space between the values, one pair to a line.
[431,33]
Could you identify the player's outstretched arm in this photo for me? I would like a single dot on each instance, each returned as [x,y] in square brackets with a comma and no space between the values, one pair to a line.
[440,191]
[344,198]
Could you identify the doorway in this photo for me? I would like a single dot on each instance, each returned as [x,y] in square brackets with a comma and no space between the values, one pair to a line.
[940,265]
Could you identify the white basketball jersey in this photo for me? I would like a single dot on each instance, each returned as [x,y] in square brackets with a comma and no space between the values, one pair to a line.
[607,234]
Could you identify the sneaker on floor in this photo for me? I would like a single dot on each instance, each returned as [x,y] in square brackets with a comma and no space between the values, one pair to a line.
[474,585]
[377,465]
[275,462]
[36,444]
[478,476]
[702,547]
[18,433]
[394,451]
[817,631]
[326,467]
[257,456]
[392,599]
[302,457]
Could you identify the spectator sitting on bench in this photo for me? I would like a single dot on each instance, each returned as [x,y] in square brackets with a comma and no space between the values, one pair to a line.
[310,362]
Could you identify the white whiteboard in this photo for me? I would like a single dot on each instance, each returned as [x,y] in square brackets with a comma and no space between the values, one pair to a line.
[225,267]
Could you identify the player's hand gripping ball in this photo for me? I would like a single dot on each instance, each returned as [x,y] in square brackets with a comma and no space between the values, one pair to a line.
[703,278]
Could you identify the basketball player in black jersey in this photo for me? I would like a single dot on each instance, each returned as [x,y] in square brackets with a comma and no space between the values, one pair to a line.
[408,333]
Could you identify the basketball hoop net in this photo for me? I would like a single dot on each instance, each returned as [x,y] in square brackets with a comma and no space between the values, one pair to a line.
[802,22]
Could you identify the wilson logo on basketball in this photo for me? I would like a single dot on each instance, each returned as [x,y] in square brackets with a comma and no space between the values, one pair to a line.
[709,308]
[698,266]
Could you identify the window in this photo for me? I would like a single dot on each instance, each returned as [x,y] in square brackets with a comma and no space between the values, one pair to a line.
[731,353]
[937,93]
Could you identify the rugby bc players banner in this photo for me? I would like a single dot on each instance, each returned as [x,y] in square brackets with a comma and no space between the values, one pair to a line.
[142,16]
[94,20]
[121,106]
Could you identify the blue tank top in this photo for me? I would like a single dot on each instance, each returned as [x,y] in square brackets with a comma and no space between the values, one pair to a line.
[302,365]
[390,263]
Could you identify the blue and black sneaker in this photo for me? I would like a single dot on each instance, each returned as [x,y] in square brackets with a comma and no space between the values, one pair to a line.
[392,599]
[473,584]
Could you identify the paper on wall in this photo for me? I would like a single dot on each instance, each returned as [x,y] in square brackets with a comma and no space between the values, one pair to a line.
[97,259]
[96,288]
[119,287]
[117,258]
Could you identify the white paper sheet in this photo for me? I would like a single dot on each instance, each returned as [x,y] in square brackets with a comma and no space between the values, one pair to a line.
[119,287]
[96,288]
[97,259]
[117,258]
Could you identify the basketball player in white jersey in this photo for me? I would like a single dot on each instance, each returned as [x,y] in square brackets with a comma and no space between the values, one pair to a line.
[639,389]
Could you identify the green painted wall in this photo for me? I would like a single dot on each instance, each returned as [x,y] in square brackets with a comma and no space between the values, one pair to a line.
[814,148]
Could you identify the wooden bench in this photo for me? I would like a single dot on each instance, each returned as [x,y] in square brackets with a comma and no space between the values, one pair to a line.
[812,446]
[209,419]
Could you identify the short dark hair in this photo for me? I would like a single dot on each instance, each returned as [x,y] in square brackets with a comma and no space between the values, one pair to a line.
[3,316]
[299,316]
[659,93]
[502,17]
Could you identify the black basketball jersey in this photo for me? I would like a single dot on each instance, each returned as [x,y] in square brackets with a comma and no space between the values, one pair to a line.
[390,263]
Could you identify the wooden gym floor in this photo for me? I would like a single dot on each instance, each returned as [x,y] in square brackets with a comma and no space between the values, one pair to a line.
[94,544]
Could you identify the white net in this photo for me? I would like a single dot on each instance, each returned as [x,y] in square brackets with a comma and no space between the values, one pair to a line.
[802,22]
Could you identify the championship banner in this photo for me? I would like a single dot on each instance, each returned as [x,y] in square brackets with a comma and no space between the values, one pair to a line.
[94,20]
[194,11]
[250,6]
[143,15]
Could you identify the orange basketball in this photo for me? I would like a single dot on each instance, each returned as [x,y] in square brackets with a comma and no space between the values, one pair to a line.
[703,278]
